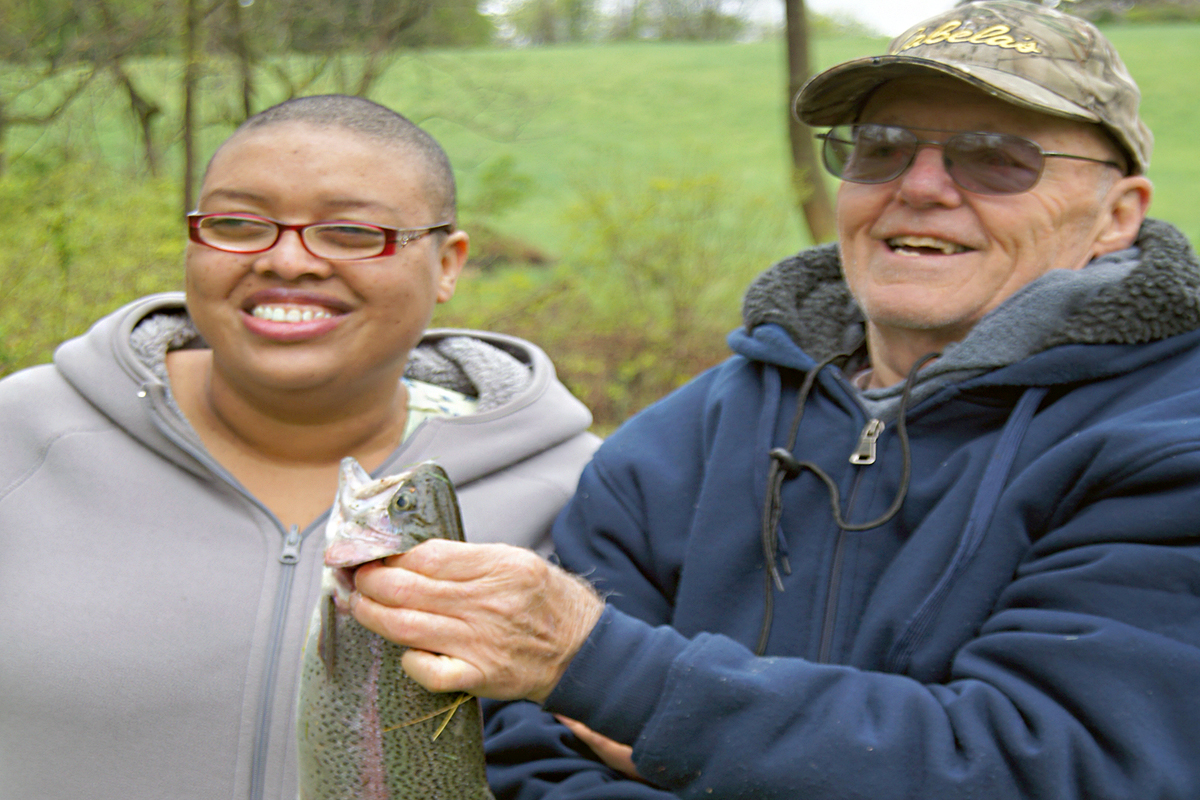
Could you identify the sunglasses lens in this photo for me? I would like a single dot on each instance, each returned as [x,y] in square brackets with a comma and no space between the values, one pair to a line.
[984,163]
[993,163]
[868,153]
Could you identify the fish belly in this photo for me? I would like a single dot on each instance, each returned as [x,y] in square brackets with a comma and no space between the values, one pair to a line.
[366,731]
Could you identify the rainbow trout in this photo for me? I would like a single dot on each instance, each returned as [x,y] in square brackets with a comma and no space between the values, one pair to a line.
[366,731]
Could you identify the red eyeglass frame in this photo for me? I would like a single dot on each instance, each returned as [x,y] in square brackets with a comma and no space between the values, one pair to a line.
[393,238]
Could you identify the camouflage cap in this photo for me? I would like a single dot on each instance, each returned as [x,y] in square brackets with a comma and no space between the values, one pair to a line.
[1021,52]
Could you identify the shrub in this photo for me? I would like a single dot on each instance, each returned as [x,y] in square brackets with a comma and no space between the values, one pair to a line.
[78,240]
[645,296]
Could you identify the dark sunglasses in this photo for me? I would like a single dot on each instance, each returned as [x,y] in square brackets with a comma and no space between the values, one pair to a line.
[984,163]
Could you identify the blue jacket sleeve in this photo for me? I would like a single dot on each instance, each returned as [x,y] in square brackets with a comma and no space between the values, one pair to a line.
[531,756]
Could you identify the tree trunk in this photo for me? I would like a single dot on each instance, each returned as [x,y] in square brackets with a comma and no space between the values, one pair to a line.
[3,137]
[807,181]
[191,68]
[240,44]
[144,111]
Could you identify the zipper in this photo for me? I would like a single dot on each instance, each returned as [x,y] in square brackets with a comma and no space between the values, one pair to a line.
[291,547]
[863,455]
[835,585]
[864,452]
[289,556]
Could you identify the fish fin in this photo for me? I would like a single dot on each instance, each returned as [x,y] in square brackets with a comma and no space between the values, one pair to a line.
[327,635]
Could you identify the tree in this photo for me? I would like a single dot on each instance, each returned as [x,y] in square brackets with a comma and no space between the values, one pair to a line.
[64,47]
[811,195]
[551,21]
[696,20]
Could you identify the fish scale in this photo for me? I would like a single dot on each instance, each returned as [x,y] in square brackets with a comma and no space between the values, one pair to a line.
[365,730]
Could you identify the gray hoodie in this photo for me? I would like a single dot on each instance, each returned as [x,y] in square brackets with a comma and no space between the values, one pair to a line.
[154,610]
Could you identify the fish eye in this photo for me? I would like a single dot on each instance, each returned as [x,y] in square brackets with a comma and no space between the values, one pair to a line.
[403,500]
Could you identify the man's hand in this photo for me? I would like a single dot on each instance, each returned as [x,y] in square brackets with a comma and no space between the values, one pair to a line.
[490,619]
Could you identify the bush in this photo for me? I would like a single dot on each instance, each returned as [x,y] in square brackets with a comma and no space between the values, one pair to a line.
[78,241]
[645,297]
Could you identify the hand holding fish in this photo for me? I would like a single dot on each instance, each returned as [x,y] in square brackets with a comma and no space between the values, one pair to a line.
[493,620]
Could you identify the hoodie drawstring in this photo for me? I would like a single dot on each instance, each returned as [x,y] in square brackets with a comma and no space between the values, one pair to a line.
[784,465]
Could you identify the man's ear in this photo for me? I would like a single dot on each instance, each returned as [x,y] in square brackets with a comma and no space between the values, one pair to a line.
[1127,202]
[452,257]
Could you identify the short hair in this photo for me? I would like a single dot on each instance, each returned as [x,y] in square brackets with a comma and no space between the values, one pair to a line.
[376,121]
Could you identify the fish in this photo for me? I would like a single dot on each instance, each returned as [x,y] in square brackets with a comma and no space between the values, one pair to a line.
[365,730]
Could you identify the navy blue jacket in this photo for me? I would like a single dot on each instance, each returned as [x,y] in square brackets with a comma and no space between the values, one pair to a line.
[1027,625]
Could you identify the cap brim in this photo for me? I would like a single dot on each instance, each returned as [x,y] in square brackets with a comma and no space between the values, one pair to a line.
[836,96]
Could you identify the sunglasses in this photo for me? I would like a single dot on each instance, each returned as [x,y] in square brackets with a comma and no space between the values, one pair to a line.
[979,162]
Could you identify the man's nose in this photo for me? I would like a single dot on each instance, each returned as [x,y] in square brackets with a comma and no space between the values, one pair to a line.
[927,181]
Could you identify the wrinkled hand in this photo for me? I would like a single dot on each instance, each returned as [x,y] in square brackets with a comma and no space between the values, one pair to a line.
[490,619]
[614,754]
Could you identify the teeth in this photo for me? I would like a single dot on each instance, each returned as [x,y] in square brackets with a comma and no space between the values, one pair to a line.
[290,313]
[926,242]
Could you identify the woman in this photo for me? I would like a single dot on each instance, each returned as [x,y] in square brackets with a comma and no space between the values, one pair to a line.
[164,483]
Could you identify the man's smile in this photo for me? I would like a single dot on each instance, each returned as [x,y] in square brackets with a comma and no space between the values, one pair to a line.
[923,245]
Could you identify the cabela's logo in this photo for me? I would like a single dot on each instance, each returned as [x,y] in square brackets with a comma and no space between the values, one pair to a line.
[953,32]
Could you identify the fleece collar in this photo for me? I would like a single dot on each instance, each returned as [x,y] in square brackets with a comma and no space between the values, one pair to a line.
[1156,299]
[465,364]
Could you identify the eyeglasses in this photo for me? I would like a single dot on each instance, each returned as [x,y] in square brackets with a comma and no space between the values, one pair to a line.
[984,163]
[336,240]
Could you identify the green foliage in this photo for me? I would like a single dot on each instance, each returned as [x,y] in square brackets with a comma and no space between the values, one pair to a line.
[549,21]
[653,176]
[837,24]
[499,187]
[76,242]
[71,31]
[450,23]
[1141,13]
[645,296]
[1104,12]
[542,22]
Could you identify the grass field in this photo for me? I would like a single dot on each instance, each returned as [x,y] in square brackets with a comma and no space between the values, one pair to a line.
[571,115]
[654,175]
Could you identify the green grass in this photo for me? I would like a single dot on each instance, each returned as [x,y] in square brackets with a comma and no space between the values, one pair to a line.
[1165,60]
[565,114]
[650,172]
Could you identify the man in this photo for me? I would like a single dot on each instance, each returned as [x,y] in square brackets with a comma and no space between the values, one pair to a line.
[931,531]
[165,483]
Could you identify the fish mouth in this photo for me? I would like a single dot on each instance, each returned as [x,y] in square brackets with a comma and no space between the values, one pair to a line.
[344,579]
[367,546]
[912,245]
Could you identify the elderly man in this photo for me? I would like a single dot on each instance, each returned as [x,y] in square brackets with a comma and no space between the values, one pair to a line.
[931,531]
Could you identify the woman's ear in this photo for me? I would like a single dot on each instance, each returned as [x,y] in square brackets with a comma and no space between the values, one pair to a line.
[452,257]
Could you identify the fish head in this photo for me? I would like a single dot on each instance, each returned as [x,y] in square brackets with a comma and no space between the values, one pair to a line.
[376,518]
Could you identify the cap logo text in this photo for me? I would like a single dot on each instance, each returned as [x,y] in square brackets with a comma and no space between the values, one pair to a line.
[953,33]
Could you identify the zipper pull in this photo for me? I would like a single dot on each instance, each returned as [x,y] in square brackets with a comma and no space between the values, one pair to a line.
[864,454]
[291,547]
